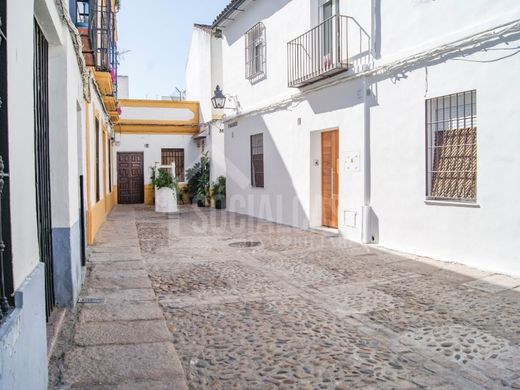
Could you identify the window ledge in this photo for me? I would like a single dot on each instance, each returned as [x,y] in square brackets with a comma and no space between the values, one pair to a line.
[437,202]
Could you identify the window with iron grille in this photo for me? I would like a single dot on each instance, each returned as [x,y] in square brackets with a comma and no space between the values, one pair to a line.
[169,156]
[255,52]
[451,140]
[257,160]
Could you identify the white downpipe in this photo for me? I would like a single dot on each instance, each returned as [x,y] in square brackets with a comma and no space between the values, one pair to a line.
[367,210]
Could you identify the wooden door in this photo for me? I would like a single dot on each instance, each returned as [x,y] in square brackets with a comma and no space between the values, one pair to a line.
[329,178]
[130,178]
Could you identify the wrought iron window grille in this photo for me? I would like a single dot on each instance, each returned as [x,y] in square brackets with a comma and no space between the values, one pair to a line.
[451,147]
[255,52]
[257,160]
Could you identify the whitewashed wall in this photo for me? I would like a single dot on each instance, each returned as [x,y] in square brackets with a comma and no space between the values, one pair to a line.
[198,72]
[203,74]
[151,145]
[21,139]
[484,236]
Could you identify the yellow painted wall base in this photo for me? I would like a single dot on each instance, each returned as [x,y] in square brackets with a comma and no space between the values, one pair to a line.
[148,194]
[149,198]
[96,217]
[114,195]
[109,202]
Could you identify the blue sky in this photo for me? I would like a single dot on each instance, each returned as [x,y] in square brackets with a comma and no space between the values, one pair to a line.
[158,33]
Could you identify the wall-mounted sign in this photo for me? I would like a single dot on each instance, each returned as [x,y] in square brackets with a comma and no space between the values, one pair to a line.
[352,161]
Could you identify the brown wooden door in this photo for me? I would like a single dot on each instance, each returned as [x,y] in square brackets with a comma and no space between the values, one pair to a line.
[130,178]
[329,178]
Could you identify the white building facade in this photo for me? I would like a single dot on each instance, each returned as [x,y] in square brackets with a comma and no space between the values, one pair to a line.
[51,101]
[393,121]
[203,72]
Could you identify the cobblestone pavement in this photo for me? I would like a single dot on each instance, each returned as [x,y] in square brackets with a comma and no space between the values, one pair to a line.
[310,310]
[256,305]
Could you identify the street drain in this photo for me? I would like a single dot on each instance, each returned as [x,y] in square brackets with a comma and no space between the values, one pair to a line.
[92,301]
[244,244]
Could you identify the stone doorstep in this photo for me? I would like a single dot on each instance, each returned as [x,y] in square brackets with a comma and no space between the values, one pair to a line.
[121,273]
[112,257]
[117,364]
[116,332]
[121,296]
[121,283]
[126,311]
[122,265]
[138,385]
[109,250]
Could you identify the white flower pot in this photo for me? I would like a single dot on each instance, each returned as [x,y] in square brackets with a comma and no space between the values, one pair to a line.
[165,200]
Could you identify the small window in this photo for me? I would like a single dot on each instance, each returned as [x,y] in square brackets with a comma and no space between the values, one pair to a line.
[169,156]
[257,160]
[451,139]
[255,52]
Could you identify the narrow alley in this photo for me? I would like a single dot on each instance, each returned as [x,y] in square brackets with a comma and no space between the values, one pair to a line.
[207,299]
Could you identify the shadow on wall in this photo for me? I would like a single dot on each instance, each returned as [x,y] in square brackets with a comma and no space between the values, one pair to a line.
[262,11]
[280,200]
[342,96]
[501,45]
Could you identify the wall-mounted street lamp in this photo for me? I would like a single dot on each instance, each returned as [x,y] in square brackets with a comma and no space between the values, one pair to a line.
[219,100]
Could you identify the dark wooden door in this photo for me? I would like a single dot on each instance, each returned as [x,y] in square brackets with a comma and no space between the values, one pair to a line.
[130,176]
[330,178]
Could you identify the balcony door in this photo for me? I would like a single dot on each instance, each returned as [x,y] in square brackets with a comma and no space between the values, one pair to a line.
[327,9]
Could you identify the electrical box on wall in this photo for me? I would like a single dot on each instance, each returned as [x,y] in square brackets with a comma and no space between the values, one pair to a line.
[352,161]
[349,218]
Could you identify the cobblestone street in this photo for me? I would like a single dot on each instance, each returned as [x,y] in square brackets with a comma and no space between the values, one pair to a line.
[254,305]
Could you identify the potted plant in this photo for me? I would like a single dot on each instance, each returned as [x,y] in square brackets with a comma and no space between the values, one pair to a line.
[219,193]
[198,182]
[166,190]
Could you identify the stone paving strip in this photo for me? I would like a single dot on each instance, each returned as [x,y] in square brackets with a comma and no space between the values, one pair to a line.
[206,299]
[117,336]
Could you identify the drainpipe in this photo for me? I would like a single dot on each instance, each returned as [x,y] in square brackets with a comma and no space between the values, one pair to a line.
[367,237]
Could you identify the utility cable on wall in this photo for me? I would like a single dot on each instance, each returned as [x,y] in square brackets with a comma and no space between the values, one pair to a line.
[402,65]
[78,48]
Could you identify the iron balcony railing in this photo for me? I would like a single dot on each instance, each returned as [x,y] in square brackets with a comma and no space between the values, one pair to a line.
[103,36]
[320,52]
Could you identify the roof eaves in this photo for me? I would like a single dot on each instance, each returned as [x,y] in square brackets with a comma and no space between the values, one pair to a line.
[227,12]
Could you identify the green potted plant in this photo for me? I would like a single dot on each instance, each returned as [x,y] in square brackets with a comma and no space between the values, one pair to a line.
[166,190]
[198,182]
[219,193]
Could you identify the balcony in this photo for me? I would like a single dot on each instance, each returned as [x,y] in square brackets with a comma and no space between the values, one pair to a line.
[319,53]
[96,22]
